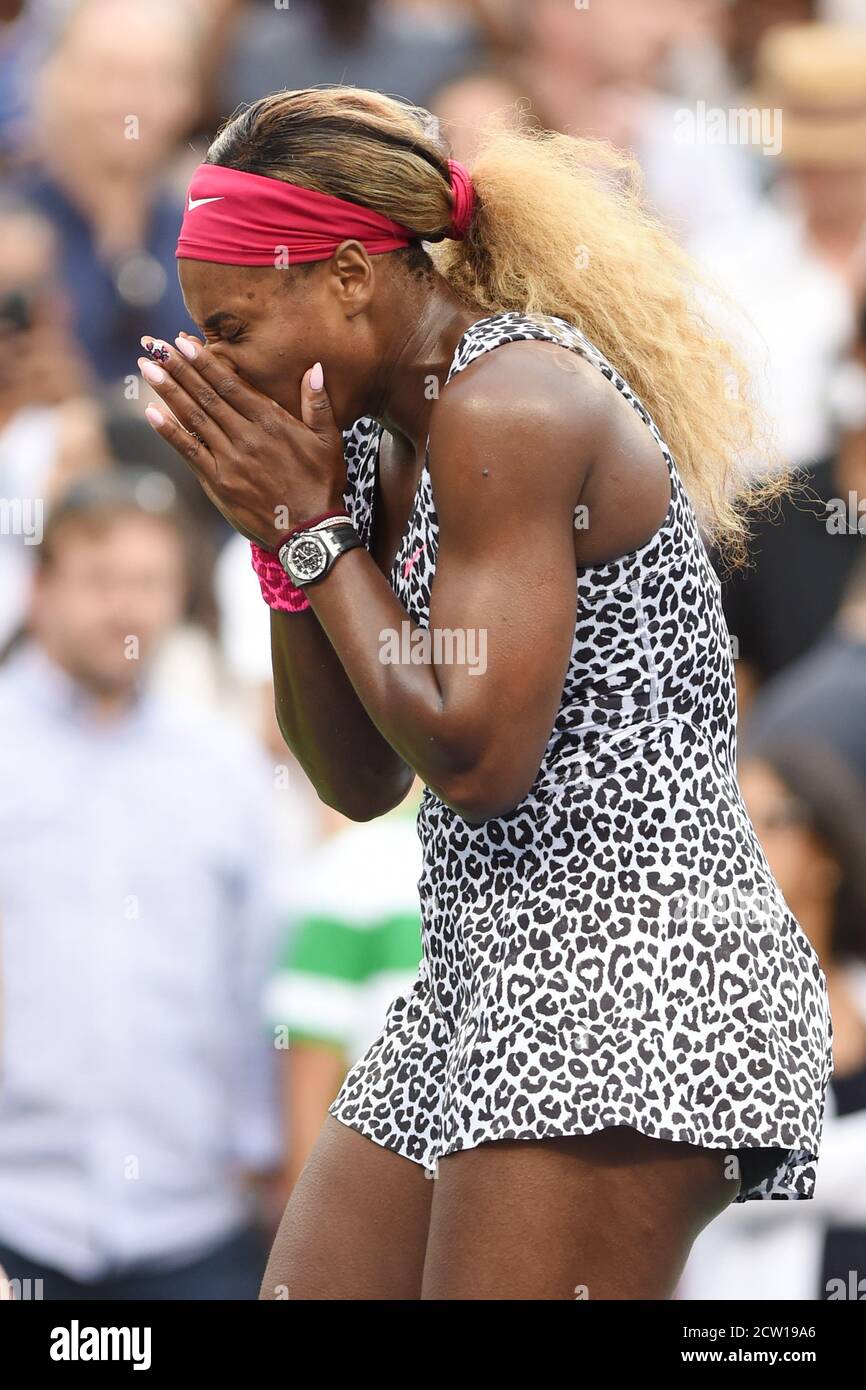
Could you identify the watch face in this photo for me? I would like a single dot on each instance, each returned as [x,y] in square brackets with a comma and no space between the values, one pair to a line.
[307,558]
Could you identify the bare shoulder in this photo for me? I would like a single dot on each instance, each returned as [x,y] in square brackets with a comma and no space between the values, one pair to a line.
[523,403]
[549,382]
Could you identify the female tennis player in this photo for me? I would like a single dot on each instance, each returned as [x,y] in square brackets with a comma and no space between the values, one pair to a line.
[473,489]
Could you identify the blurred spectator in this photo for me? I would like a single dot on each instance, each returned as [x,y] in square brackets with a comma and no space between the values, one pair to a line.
[496,19]
[13,100]
[604,71]
[119,88]
[810,816]
[363,43]
[25,30]
[596,71]
[747,22]
[50,431]
[138,1093]
[823,695]
[803,554]
[797,264]
[467,106]
[591,68]
[353,946]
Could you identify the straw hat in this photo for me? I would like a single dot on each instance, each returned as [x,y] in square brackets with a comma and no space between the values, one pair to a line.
[816,75]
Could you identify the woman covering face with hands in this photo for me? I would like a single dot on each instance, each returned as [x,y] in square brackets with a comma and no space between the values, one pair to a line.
[221,424]
[515,440]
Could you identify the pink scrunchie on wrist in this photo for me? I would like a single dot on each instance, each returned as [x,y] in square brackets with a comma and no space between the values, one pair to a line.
[278,591]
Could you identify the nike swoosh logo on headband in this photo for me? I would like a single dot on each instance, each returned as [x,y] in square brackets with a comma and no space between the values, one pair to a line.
[197,202]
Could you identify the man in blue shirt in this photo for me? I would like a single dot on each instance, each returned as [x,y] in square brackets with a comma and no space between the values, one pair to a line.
[138,1084]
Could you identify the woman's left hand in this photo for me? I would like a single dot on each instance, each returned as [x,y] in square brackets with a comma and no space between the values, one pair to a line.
[263,469]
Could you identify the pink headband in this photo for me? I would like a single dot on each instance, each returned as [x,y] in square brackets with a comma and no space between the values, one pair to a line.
[235,218]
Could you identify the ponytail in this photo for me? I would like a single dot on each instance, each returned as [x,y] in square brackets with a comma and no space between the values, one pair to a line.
[560,228]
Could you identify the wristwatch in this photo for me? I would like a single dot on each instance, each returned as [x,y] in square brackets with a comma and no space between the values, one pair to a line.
[309,555]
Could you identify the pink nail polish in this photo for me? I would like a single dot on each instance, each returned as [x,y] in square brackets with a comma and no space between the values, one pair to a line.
[155,416]
[155,375]
[317,377]
[186,347]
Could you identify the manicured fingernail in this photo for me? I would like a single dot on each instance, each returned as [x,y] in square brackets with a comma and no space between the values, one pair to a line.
[185,346]
[151,372]
[156,348]
[317,377]
[155,416]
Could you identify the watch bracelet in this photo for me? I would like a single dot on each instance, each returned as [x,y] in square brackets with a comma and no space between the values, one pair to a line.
[333,523]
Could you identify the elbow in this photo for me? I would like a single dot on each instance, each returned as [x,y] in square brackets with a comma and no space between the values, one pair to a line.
[478,797]
[356,809]
[364,803]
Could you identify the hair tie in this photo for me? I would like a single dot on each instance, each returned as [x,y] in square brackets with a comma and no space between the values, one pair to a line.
[464,200]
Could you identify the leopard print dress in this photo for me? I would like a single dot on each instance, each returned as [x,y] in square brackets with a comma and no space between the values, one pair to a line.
[615,950]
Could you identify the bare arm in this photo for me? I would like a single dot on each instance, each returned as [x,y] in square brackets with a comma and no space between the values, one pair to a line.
[506,451]
[510,444]
[353,768]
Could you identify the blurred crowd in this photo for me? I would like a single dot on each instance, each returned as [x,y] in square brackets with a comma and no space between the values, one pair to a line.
[193,949]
